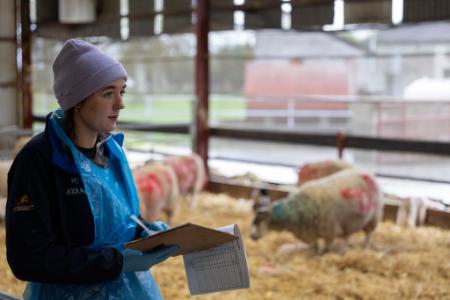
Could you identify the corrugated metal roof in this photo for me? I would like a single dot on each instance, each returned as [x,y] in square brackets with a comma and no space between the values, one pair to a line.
[302,44]
[434,32]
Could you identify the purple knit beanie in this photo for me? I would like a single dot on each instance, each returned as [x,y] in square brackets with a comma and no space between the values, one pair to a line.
[80,69]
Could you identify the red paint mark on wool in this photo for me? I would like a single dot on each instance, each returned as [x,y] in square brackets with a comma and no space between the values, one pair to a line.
[150,184]
[352,194]
[189,167]
[178,168]
[360,195]
[370,182]
[184,173]
[307,173]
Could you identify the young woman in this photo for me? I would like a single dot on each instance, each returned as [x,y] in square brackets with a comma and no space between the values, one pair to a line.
[71,192]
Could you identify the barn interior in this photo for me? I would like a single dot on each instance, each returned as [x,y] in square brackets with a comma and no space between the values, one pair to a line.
[261,90]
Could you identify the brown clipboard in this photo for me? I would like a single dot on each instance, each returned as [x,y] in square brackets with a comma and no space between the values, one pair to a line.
[189,237]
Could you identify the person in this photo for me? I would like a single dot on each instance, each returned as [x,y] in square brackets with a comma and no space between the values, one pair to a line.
[71,192]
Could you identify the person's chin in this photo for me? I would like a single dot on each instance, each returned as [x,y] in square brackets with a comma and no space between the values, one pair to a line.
[112,125]
[110,128]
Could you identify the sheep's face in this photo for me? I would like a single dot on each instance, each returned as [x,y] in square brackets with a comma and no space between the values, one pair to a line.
[259,225]
[260,222]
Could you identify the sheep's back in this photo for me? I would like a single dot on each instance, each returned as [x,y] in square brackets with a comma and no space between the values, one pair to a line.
[320,169]
[345,201]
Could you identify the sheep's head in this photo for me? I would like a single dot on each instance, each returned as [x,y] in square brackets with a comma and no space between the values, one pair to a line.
[260,222]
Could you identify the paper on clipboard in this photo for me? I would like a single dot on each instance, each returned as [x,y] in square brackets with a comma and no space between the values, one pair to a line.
[220,268]
[189,237]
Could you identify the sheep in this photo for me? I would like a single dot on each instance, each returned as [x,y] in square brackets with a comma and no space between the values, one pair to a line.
[335,206]
[411,210]
[20,142]
[248,178]
[5,165]
[2,208]
[320,169]
[157,188]
[160,183]
[191,174]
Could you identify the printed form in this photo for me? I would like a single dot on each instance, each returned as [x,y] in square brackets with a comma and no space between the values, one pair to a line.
[220,268]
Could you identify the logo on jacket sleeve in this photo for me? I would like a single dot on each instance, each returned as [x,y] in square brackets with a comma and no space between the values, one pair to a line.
[23,203]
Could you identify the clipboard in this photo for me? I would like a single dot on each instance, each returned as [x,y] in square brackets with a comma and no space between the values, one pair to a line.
[189,237]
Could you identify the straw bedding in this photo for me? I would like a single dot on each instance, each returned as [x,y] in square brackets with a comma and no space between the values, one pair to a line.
[403,263]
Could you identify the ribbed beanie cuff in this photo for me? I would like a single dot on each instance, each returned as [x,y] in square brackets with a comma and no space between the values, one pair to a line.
[81,69]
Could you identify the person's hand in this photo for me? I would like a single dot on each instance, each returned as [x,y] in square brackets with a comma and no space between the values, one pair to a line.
[137,261]
[158,226]
[155,227]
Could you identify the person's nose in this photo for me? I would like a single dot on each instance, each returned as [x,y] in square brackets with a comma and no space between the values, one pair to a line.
[118,105]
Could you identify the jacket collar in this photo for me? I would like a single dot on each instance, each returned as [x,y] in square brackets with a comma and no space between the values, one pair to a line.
[61,155]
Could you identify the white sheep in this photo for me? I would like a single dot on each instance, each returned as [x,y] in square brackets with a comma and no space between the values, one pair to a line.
[158,191]
[5,165]
[2,208]
[411,210]
[320,169]
[191,174]
[332,207]
[161,183]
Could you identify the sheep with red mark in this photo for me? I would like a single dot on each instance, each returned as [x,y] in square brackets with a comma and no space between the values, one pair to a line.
[411,211]
[157,188]
[320,169]
[335,206]
[191,175]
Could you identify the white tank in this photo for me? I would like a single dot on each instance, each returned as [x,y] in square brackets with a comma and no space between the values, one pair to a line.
[77,11]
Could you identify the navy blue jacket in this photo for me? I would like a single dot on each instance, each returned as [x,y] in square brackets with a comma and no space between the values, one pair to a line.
[49,221]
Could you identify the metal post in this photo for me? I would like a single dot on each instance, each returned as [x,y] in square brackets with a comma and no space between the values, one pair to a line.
[200,132]
[340,144]
[24,43]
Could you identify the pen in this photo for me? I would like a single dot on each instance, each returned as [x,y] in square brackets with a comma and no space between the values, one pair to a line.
[139,222]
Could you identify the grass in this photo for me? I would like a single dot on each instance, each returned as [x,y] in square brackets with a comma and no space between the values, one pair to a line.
[162,109]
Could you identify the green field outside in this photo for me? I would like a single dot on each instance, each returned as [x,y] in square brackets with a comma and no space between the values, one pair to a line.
[160,109]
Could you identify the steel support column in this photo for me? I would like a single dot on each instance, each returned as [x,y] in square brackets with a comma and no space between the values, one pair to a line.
[200,129]
[24,69]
